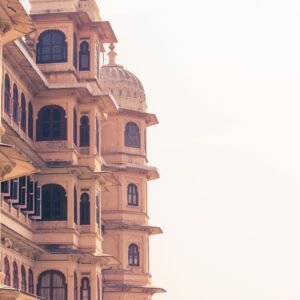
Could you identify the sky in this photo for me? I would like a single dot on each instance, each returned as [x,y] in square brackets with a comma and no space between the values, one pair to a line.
[223,78]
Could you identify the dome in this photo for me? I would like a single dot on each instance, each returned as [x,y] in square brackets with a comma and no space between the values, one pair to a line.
[126,88]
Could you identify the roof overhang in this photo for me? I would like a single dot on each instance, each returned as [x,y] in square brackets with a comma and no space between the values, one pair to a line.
[151,230]
[14,20]
[13,163]
[151,119]
[150,172]
[103,28]
[108,287]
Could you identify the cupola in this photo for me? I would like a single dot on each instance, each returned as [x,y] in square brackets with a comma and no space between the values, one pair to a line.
[126,88]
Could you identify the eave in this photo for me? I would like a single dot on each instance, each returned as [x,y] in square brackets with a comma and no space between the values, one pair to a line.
[103,28]
[151,230]
[150,172]
[126,288]
[151,119]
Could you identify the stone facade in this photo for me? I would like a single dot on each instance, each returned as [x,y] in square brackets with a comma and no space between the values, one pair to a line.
[74,222]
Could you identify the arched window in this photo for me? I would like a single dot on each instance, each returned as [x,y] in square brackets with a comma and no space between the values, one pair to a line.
[75,50]
[85,289]
[15,104]
[15,276]
[97,136]
[23,113]
[51,47]
[30,282]
[98,210]
[7,94]
[75,126]
[133,255]
[84,209]
[6,271]
[23,279]
[52,285]
[75,206]
[30,120]
[54,205]
[51,123]
[132,135]
[84,131]
[84,57]
[75,287]
[132,195]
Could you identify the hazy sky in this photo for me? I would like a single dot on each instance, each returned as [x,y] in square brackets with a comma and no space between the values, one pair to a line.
[224,80]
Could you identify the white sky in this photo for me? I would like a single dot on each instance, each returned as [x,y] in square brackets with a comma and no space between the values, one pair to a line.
[223,78]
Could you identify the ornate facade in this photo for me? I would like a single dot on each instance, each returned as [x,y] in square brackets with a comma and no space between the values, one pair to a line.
[73,159]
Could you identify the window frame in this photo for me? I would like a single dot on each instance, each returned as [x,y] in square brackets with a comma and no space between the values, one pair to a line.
[84,53]
[41,48]
[7,94]
[85,209]
[84,131]
[132,195]
[52,124]
[133,255]
[132,135]
[82,288]
[7,279]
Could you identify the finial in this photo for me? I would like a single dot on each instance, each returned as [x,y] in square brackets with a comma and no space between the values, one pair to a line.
[112,55]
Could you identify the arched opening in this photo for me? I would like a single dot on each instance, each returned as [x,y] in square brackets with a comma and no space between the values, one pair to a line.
[54,204]
[51,123]
[30,120]
[15,104]
[84,131]
[6,271]
[84,56]
[133,255]
[75,207]
[52,285]
[85,289]
[7,94]
[23,279]
[132,195]
[84,209]
[30,282]
[75,126]
[15,276]
[23,113]
[132,135]
[51,47]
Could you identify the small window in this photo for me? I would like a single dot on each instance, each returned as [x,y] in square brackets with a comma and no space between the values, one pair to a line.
[75,126]
[23,279]
[75,206]
[84,57]
[54,204]
[84,209]
[97,136]
[6,271]
[15,276]
[51,47]
[132,135]
[85,289]
[15,104]
[132,195]
[52,285]
[133,255]
[51,123]
[30,282]
[30,120]
[23,113]
[75,50]
[98,210]
[7,94]
[84,131]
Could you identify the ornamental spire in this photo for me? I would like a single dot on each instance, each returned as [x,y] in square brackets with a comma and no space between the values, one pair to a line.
[112,55]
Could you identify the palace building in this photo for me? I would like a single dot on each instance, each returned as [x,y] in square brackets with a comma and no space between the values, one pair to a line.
[73,159]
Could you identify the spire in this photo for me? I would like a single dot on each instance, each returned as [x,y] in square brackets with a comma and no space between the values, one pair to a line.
[112,55]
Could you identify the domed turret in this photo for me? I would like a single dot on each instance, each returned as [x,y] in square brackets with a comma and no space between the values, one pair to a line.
[125,86]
